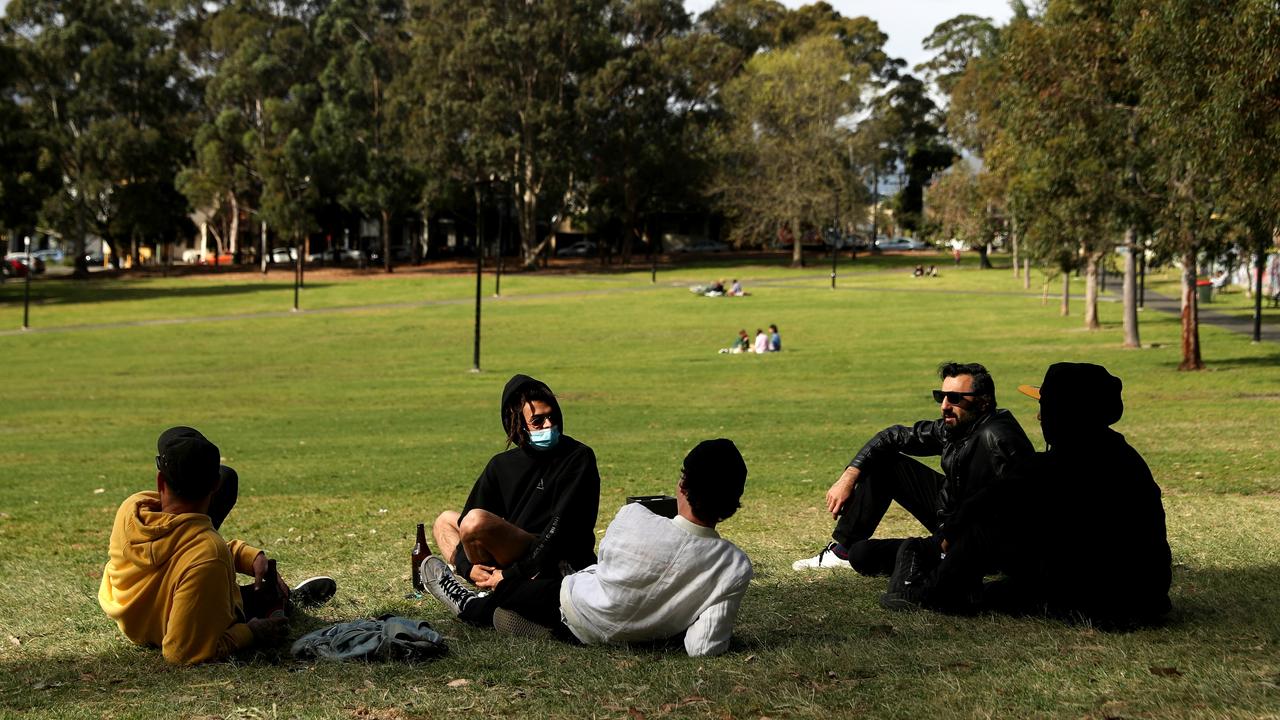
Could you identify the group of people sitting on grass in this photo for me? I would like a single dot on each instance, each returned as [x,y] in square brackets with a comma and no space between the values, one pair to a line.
[765,342]
[1076,531]
[718,288]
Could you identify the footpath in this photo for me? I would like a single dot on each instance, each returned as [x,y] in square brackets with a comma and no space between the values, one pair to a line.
[1236,323]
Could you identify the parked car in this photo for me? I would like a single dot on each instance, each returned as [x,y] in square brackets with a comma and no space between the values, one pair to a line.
[336,255]
[702,245]
[50,255]
[901,243]
[581,248]
[399,254]
[283,256]
[29,260]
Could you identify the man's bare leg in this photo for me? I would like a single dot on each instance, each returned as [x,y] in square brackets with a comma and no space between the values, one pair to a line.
[489,540]
[445,532]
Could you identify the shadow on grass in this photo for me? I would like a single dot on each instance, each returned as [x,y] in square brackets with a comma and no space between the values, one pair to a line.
[60,293]
[1210,604]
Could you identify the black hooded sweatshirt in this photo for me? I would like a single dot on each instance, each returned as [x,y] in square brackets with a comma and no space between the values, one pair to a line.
[554,494]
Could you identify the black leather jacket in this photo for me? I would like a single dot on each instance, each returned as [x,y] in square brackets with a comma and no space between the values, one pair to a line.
[975,465]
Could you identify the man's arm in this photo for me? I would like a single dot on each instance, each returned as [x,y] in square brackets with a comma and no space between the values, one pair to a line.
[922,438]
[201,624]
[710,633]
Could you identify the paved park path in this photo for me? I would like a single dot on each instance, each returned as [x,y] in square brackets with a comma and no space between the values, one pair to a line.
[1236,323]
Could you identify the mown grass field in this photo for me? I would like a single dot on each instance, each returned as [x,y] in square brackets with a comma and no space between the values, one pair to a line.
[348,426]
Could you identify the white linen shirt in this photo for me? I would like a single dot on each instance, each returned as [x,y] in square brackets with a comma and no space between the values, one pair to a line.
[655,579]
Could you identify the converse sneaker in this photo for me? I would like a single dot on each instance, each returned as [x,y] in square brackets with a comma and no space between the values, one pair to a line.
[510,622]
[442,583]
[827,558]
[313,591]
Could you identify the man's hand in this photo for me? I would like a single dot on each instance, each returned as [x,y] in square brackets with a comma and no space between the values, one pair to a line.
[269,631]
[480,574]
[842,490]
[491,582]
[260,572]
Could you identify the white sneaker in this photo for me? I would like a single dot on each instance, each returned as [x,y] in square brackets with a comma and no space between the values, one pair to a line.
[824,559]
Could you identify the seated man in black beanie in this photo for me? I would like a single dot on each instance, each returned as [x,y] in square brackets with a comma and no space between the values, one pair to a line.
[657,578]
[1099,549]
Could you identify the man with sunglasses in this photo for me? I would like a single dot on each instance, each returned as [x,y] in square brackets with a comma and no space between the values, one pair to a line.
[535,504]
[978,443]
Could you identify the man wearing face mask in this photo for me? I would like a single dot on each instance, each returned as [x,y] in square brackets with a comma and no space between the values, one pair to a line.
[978,443]
[534,506]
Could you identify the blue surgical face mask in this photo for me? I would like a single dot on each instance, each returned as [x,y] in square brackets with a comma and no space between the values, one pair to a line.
[545,439]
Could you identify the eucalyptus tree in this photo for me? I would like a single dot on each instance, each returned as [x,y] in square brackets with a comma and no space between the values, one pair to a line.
[642,117]
[108,99]
[24,180]
[499,85]
[360,123]
[781,150]
[1177,51]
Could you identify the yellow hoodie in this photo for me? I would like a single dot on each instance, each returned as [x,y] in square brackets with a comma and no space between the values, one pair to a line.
[170,581]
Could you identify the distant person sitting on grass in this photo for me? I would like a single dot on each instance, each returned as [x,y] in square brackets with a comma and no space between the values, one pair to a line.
[741,344]
[542,494]
[1100,551]
[775,340]
[658,578]
[170,577]
[762,341]
[735,289]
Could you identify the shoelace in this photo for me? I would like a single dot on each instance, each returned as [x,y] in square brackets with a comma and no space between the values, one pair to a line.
[454,589]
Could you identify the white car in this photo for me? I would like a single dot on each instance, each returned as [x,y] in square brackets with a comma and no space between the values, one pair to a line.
[283,255]
[901,243]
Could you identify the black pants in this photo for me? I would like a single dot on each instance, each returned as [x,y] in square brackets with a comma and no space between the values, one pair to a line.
[912,485]
[257,603]
[537,600]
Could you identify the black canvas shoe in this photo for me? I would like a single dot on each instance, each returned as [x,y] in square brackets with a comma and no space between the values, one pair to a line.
[441,582]
[313,591]
[906,584]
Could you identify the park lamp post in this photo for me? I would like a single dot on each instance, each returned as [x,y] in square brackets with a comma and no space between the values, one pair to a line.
[26,286]
[835,241]
[297,274]
[479,245]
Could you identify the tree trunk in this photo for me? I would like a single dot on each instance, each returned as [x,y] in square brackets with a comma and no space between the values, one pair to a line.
[1026,273]
[1260,266]
[262,257]
[1131,290]
[1190,313]
[386,239]
[1066,292]
[1092,262]
[233,235]
[984,260]
[797,250]
[1013,246]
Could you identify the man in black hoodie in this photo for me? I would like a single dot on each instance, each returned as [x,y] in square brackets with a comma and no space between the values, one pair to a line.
[1089,540]
[534,506]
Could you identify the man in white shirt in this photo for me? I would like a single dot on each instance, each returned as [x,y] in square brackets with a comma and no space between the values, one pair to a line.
[657,578]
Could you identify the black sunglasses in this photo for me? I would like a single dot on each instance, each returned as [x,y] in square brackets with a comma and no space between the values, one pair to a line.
[952,396]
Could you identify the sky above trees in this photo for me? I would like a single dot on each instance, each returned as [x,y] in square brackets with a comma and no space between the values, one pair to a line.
[906,22]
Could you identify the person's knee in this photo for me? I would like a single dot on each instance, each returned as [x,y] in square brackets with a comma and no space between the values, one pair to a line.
[477,524]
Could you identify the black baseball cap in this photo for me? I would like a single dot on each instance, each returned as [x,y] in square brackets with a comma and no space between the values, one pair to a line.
[716,458]
[188,461]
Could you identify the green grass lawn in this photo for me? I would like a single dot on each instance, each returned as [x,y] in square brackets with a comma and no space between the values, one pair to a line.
[349,427]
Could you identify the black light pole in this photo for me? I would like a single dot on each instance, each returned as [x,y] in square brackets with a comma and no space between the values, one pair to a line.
[502,206]
[1142,274]
[475,366]
[653,261]
[26,287]
[297,275]
[835,238]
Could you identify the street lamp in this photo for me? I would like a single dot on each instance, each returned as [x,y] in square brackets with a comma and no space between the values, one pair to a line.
[26,286]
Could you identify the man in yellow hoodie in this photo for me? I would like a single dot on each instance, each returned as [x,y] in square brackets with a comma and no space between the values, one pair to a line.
[170,580]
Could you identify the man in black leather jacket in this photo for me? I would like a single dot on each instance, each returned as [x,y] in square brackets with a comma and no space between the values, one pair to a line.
[978,443]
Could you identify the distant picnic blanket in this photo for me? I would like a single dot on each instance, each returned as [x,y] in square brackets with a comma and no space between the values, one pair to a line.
[389,637]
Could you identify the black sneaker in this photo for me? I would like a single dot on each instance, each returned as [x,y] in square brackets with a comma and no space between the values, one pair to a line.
[441,582]
[906,584]
[313,591]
